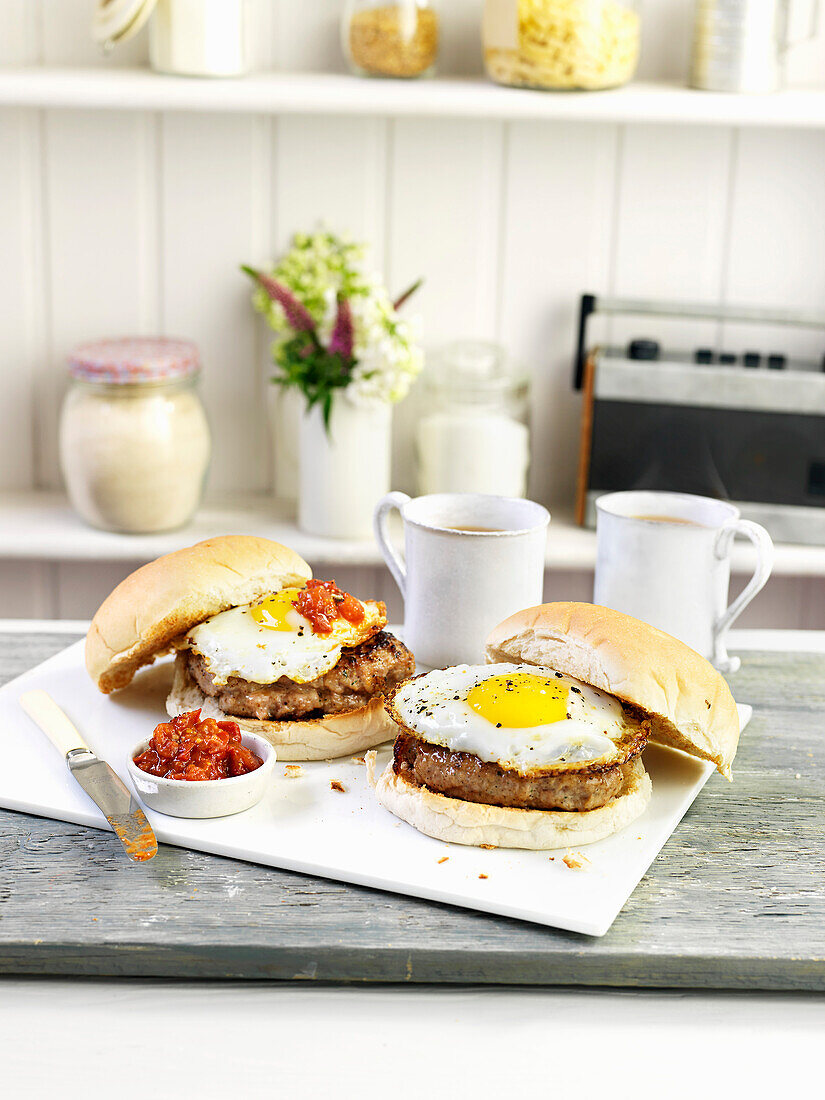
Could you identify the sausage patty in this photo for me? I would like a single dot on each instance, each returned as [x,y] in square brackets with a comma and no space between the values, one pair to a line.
[463,775]
[362,672]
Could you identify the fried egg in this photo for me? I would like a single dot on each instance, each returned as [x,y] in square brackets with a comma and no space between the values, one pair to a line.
[518,716]
[266,640]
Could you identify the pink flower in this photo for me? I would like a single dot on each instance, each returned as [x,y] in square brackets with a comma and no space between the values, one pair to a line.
[296,312]
[341,340]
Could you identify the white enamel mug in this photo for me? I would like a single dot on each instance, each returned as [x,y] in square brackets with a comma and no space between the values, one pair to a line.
[458,584]
[665,558]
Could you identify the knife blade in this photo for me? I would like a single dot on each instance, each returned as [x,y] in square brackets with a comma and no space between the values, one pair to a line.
[98,780]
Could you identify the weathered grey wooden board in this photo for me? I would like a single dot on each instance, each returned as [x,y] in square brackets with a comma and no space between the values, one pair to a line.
[736,899]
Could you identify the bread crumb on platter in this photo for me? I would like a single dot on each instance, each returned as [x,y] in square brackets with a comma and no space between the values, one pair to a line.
[336,786]
[292,771]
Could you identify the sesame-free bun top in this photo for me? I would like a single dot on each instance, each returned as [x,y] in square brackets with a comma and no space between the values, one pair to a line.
[163,600]
[689,705]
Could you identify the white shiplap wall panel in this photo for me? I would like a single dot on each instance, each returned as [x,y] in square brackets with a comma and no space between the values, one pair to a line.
[81,587]
[308,36]
[20,307]
[445,198]
[671,226]
[777,236]
[557,226]
[667,33]
[19,32]
[444,195]
[66,37]
[27,590]
[460,49]
[672,210]
[330,170]
[215,187]
[99,185]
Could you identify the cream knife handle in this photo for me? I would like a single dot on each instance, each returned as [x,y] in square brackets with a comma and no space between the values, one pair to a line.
[43,710]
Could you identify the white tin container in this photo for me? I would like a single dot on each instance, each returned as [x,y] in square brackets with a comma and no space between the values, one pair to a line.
[740,45]
[200,37]
[186,37]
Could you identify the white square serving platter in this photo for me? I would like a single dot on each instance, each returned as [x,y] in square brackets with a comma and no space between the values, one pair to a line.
[302,824]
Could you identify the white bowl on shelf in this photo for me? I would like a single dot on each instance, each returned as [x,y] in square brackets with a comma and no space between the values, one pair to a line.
[209,797]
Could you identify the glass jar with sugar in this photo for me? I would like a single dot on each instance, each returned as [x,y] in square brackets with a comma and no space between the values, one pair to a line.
[474,437]
[134,440]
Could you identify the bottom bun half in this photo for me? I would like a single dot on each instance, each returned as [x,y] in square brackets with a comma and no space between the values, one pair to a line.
[460,822]
[308,739]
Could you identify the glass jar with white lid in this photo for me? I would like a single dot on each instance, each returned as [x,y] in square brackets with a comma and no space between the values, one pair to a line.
[563,44]
[474,437]
[134,439]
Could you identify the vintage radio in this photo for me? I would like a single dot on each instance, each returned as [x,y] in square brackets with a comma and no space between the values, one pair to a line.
[744,425]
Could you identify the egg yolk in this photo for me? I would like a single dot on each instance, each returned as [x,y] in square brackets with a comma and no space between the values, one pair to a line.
[520,700]
[272,613]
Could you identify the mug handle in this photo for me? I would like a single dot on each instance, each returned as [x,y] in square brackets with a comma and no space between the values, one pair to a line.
[764,563]
[385,505]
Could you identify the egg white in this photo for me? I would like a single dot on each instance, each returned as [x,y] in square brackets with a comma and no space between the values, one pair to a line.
[435,707]
[234,643]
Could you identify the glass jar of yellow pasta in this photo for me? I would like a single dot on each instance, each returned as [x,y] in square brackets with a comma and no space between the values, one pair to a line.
[561,43]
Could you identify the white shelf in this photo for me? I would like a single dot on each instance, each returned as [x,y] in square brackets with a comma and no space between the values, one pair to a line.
[326,93]
[41,526]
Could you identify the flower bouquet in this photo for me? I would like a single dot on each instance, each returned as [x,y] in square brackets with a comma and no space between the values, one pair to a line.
[341,344]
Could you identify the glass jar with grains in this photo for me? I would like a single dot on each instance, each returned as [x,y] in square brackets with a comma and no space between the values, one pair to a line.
[386,38]
[561,43]
[134,441]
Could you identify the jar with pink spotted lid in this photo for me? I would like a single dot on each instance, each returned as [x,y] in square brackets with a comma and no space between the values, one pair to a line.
[134,439]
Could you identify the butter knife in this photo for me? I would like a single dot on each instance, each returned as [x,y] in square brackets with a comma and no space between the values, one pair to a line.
[101,784]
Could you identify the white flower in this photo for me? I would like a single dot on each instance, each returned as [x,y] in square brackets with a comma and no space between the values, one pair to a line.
[320,268]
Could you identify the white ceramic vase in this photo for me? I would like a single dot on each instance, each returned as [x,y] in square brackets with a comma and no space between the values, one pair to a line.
[343,473]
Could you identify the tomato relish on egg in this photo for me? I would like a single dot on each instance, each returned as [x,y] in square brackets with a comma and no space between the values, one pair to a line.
[322,602]
[195,749]
[298,633]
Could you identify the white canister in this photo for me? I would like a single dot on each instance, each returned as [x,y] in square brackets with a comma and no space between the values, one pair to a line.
[345,470]
[664,558]
[200,37]
[741,45]
[470,561]
[186,37]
